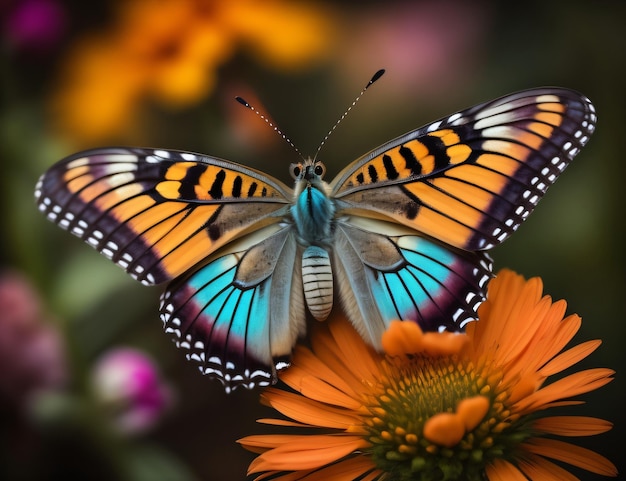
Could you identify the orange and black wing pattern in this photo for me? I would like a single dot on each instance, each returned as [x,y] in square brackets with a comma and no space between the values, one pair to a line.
[157,213]
[470,179]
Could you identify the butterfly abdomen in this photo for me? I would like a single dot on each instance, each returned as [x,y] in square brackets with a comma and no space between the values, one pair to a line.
[317,282]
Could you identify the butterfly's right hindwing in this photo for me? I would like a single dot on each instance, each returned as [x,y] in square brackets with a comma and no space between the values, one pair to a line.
[406,277]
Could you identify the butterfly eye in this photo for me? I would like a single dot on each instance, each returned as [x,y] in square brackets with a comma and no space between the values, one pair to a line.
[320,169]
[296,170]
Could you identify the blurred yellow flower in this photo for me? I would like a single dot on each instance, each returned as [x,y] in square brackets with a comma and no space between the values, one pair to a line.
[169,51]
[438,406]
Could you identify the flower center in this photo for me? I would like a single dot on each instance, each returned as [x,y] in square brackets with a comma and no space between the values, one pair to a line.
[438,419]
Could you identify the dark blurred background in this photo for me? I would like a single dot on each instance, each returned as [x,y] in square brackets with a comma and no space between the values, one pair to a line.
[163,73]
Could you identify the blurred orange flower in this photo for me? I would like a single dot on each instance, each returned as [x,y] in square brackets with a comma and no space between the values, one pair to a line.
[169,51]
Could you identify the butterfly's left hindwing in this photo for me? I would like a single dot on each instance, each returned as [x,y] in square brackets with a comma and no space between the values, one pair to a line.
[239,315]
[157,213]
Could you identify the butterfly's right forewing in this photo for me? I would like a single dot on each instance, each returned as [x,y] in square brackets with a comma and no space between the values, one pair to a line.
[471,179]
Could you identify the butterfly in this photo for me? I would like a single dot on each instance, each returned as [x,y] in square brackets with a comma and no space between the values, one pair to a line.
[400,233]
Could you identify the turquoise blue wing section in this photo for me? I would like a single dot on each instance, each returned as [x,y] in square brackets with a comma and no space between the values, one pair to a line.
[437,286]
[233,318]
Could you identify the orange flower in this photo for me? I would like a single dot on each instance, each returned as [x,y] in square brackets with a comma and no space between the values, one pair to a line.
[170,50]
[438,406]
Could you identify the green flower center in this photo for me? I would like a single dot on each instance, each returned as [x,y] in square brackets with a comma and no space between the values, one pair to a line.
[412,440]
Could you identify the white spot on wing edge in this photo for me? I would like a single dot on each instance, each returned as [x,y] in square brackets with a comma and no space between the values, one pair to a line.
[188,156]
[162,153]
[454,117]
[434,126]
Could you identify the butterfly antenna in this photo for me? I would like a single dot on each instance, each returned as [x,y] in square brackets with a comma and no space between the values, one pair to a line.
[269,122]
[374,78]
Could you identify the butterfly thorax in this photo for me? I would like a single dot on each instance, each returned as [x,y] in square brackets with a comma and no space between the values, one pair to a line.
[313,209]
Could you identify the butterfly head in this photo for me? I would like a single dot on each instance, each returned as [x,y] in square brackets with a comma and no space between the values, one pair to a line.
[308,170]
[309,173]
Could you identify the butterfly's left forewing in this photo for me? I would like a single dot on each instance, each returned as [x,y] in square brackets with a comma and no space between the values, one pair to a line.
[472,178]
[157,213]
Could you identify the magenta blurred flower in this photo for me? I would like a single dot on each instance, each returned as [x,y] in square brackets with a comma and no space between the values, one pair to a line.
[34,25]
[128,383]
[32,357]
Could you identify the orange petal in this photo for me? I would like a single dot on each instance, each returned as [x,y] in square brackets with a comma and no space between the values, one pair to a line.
[501,470]
[402,338]
[304,364]
[307,452]
[472,411]
[282,422]
[317,389]
[349,469]
[259,443]
[444,429]
[573,385]
[520,329]
[572,425]
[523,386]
[571,454]
[277,476]
[308,411]
[559,332]
[536,467]
[353,351]
[570,357]
[443,343]
[504,317]
[337,344]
